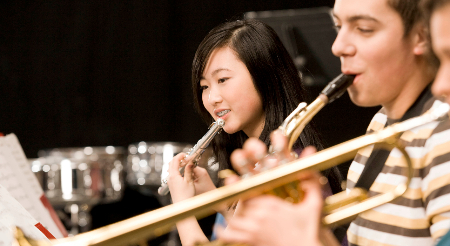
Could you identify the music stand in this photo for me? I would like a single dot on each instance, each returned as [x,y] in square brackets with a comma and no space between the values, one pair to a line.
[308,35]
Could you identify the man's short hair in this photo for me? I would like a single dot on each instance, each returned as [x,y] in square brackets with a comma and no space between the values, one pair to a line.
[409,11]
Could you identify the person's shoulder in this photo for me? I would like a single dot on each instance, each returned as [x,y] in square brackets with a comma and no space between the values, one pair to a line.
[437,139]
[378,121]
[443,124]
[432,101]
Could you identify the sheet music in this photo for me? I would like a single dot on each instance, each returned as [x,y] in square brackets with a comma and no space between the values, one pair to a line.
[12,213]
[16,176]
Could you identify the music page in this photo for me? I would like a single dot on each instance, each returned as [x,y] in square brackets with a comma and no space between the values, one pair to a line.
[22,186]
[12,214]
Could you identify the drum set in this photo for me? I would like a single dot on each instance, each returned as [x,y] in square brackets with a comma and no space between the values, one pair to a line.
[76,179]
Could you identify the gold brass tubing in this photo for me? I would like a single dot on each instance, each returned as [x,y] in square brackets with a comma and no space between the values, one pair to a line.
[294,193]
[342,199]
[162,219]
[346,214]
[298,123]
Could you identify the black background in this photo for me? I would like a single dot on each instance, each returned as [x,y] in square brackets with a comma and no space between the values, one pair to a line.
[97,73]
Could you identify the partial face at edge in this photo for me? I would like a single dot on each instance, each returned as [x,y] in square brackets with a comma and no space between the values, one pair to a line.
[228,92]
[371,44]
[440,36]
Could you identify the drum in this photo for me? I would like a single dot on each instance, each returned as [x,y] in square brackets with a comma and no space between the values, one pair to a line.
[76,179]
[147,162]
[87,176]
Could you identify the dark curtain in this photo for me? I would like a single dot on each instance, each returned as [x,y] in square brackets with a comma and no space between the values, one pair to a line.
[96,73]
[80,73]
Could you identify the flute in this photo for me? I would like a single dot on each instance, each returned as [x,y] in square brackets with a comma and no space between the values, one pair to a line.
[195,152]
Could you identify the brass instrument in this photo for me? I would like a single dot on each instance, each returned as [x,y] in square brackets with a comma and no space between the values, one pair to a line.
[196,152]
[160,221]
[294,124]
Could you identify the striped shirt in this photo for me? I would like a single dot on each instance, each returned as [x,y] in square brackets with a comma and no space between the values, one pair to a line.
[422,214]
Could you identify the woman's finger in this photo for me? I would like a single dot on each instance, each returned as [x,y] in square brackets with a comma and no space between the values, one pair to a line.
[200,172]
[174,165]
[188,173]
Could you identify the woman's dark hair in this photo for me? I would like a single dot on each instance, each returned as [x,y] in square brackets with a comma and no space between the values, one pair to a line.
[274,75]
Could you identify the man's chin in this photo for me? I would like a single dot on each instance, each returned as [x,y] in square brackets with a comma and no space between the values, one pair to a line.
[361,102]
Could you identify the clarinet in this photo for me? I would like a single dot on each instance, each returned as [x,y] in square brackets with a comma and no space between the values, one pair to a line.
[195,152]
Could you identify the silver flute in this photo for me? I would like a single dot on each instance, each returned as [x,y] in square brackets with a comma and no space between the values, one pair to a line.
[195,152]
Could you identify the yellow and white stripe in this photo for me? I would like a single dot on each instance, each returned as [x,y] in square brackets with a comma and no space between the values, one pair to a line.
[422,214]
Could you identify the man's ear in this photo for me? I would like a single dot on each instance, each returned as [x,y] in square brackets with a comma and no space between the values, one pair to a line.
[420,39]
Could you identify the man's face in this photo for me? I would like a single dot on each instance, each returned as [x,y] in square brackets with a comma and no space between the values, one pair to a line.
[440,37]
[372,45]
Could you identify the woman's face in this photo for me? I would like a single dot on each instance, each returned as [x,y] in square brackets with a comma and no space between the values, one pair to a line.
[228,92]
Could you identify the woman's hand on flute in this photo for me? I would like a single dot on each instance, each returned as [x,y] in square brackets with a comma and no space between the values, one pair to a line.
[194,182]
[202,181]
